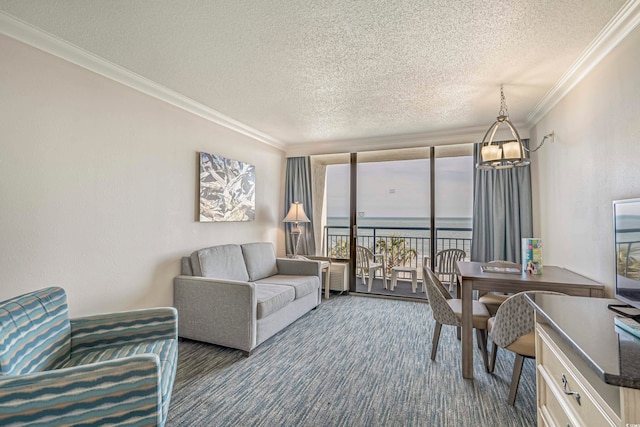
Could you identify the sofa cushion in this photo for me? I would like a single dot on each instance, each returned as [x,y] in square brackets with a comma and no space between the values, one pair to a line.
[166,350]
[221,262]
[260,259]
[303,285]
[272,298]
[36,332]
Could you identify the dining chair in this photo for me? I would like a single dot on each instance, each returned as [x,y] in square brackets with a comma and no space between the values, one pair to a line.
[448,311]
[513,328]
[366,264]
[492,299]
[445,264]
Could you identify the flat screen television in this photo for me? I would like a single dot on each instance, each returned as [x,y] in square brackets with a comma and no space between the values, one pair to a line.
[626,223]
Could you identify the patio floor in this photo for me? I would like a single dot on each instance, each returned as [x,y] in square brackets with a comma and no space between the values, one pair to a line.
[402,289]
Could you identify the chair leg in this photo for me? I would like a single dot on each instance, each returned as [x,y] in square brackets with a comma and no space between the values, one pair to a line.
[515,378]
[370,280]
[492,361]
[436,339]
[481,335]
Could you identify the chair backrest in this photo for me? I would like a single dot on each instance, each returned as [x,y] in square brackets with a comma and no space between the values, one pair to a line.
[363,257]
[438,296]
[446,260]
[514,318]
[35,332]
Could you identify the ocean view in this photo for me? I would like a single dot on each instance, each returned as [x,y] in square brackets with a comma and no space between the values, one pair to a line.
[447,226]
[451,232]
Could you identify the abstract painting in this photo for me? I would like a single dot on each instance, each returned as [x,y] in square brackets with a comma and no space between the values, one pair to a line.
[227,189]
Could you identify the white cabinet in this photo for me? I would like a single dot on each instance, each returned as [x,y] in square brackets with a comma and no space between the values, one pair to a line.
[339,276]
[570,393]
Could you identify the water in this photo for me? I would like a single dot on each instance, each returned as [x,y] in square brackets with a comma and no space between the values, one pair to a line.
[442,224]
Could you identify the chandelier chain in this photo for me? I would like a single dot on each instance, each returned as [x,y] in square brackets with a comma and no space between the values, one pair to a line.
[504,111]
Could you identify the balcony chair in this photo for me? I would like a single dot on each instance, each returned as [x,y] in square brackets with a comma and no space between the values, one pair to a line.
[493,299]
[366,264]
[448,311]
[445,264]
[105,369]
[513,328]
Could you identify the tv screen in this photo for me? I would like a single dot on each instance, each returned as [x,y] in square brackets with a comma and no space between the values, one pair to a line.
[626,222]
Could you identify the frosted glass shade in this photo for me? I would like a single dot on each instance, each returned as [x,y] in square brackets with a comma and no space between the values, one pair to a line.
[491,153]
[512,150]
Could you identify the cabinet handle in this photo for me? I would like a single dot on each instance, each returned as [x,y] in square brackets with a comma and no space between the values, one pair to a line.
[570,393]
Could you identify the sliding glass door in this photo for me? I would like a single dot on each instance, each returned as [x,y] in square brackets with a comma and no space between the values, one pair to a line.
[392,216]
[401,206]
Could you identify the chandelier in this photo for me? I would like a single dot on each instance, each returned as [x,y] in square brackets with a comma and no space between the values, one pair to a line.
[504,155]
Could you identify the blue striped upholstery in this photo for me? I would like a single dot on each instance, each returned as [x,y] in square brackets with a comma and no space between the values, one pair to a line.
[121,392]
[35,332]
[115,368]
[114,329]
[166,350]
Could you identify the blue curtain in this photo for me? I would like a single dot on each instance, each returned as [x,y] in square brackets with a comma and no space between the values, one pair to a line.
[298,189]
[502,213]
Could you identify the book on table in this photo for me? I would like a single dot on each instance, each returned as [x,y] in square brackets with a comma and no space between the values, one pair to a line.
[532,255]
[628,324]
[500,269]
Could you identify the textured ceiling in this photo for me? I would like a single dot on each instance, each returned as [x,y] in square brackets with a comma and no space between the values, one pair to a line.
[305,71]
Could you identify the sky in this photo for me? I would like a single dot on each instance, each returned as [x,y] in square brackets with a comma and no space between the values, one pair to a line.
[401,188]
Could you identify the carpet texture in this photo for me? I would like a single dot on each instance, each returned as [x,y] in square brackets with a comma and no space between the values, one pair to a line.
[354,361]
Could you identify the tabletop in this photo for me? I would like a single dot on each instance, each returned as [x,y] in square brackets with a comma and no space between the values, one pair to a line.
[471,277]
[550,274]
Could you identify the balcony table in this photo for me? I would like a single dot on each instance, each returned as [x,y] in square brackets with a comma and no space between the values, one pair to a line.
[471,277]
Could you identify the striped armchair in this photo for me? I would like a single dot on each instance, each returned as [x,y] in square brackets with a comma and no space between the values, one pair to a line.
[115,368]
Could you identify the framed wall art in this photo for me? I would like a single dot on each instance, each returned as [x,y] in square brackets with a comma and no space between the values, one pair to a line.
[227,189]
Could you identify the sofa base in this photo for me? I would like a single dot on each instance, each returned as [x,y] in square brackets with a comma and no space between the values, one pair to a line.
[199,321]
[271,325]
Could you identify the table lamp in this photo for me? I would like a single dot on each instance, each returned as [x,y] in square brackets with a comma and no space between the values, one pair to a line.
[296,215]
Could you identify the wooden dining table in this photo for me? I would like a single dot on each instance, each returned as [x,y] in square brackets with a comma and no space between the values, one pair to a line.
[471,277]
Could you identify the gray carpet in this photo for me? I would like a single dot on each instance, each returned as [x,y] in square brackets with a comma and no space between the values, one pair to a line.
[354,361]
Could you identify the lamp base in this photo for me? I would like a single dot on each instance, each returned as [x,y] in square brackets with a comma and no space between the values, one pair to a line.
[295,236]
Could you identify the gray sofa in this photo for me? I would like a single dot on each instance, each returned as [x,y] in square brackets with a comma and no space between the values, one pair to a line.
[240,295]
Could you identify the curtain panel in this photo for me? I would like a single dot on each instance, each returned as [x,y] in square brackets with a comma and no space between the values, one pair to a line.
[298,189]
[502,212]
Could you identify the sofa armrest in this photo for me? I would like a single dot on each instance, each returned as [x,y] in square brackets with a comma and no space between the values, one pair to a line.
[222,312]
[107,330]
[299,267]
[115,392]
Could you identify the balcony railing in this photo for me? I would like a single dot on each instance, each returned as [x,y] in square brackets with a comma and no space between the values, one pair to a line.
[398,241]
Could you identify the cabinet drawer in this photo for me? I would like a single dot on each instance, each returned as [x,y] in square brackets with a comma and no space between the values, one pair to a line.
[551,411]
[574,395]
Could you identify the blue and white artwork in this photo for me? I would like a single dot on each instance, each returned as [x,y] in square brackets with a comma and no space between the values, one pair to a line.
[227,189]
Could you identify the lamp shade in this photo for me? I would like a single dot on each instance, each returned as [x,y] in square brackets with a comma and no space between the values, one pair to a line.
[512,150]
[296,214]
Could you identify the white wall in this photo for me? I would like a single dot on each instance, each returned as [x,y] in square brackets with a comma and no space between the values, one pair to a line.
[594,160]
[98,185]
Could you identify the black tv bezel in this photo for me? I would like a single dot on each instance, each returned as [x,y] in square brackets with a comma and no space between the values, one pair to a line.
[630,301]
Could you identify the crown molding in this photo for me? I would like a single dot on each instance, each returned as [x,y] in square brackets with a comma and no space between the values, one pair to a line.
[414,140]
[619,27]
[24,32]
